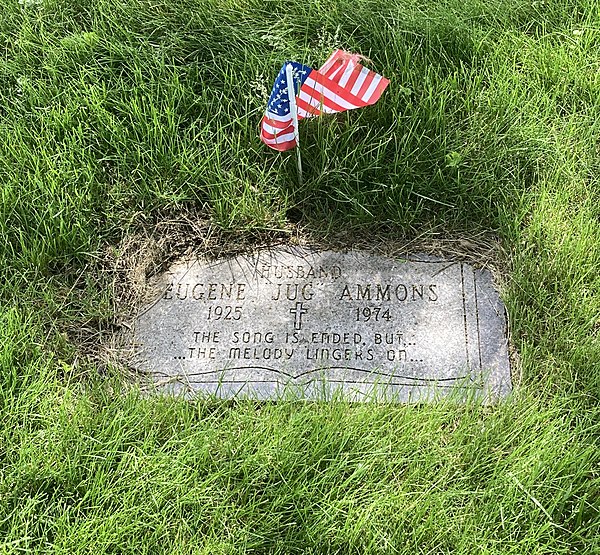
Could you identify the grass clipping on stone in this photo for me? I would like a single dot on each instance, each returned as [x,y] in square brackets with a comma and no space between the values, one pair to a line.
[128,136]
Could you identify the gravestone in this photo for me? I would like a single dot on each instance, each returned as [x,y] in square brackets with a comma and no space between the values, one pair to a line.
[320,324]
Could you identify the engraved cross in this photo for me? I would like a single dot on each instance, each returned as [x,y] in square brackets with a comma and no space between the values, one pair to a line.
[298,312]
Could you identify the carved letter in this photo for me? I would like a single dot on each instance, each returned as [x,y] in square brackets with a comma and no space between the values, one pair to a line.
[307,294]
[276,297]
[364,294]
[225,292]
[383,294]
[200,294]
[241,293]
[401,292]
[432,294]
[292,287]
[346,294]
[180,295]
[417,291]
[212,291]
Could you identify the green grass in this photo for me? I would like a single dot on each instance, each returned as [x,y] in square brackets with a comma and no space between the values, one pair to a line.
[117,114]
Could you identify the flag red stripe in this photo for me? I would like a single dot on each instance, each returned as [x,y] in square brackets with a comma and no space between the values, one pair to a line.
[282,146]
[332,69]
[378,91]
[281,140]
[312,88]
[336,55]
[272,131]
[275,123]
[328,83]
[366,84]
[342,92]
[350,83]
[330,103]
[302,104]
[337,70]
[343,79]
[283,132]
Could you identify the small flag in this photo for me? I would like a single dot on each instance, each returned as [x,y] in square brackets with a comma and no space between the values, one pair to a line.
[277,126]
[341,84]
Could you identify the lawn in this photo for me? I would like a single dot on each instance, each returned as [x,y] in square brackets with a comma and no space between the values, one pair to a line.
[129,135]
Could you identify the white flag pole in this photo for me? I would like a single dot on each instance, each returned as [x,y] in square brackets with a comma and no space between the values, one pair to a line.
[294,112]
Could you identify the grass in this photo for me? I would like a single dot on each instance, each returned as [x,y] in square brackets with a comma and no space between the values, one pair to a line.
[117,114]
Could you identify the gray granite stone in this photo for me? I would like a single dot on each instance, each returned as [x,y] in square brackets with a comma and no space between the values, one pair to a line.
[319,324]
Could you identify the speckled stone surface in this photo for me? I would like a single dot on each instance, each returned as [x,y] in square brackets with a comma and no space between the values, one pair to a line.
[321,324]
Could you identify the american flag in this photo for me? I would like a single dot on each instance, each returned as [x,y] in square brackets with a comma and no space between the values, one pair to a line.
[277,126]
[341,84]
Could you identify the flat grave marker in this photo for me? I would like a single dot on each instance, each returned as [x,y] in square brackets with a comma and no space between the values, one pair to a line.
[324,323]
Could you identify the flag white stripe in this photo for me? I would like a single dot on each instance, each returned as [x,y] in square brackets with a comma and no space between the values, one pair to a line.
[369,92]
[274,130]
[364,72]
[328,93]
[279,139]
[329,62]
[315,102]
[347,74]
[302,113]
[332,76]
[277,117]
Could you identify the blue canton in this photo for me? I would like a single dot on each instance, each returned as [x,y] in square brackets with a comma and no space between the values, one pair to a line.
[279,102]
